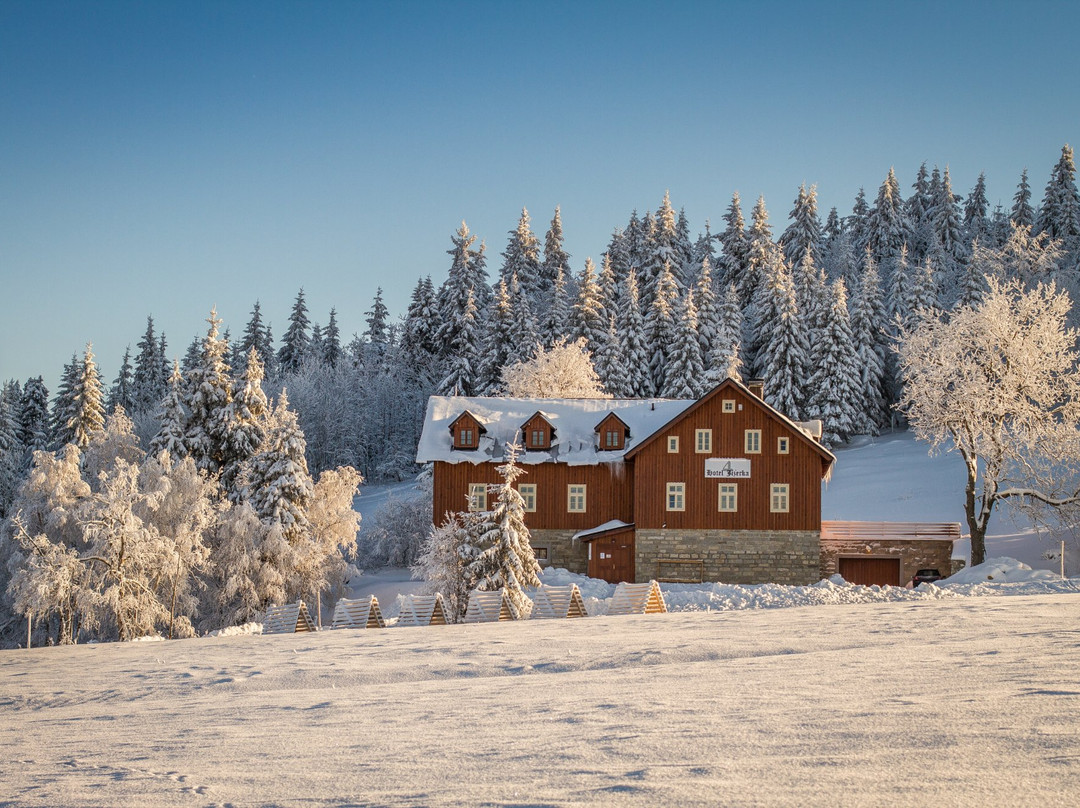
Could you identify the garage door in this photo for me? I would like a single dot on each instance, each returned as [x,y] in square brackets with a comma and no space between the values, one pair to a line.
[868,571]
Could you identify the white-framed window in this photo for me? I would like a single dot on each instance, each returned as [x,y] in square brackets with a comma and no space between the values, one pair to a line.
[575,498]
[528,495]
[752,443]
[467,437]
[729,498]
[673,444]
[676,496]
[477,497]
[537,438]
[728,405]
[703,441]
[611,439]
[783,445]
[779,498]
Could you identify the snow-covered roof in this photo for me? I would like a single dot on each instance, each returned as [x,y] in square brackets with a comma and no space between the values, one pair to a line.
[574,419]
[607,527]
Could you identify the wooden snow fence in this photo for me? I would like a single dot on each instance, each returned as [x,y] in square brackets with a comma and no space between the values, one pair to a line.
[488,607]
[288,619]
[637,599]
[558,602]
[422,610]
[359,613]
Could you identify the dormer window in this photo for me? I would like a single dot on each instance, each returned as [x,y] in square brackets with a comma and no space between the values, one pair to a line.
[537,433]
[612,434]
[465,431]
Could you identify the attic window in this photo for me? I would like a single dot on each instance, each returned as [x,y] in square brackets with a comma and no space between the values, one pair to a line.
[537,433]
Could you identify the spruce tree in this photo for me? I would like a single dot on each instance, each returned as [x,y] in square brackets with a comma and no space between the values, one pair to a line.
[976,207]
[924,291]
[735,246]
[784,350]
[522,256]
[557,320]
[297,338]
[556,258]
[279,486]
[11,448]
[631,328]
[618,252]
[1022,214]
[759,252]
[611,363]
[172,419]
[948,225]
[33,416]
[502,557]
[462,353]
[246,414]
[858,223]
[331,342]
[660,327]
[63,406]
[708,310]
[206,431]
[886,227]
[88,400]
[1060,212]
[804,232]
[524,334]
[465,287]
[685,377]
[867,321]
[122,393]
[725,357]
[149,382]
[588,316]
[609,286]
[836,382]
[497,340]
[378,322]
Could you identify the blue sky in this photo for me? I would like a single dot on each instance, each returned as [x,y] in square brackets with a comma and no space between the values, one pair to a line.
[162,158]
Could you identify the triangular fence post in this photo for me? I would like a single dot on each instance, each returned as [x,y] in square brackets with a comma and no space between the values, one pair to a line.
[288,619]
[558,602]
[637,599]
[359,613]
[422,610]
[488,607]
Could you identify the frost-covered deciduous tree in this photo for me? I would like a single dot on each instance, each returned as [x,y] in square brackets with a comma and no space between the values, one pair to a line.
[322,561]
[502,557]
[562,371]
[394,536]
[999,385]
[115,442]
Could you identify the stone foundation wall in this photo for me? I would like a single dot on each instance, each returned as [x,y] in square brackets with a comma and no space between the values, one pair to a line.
[734,556]
[914,554]
[562,552]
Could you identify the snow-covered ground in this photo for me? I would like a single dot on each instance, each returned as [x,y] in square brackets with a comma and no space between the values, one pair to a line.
[955,701]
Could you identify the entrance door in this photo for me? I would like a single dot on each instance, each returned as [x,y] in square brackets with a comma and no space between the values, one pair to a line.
[870,571]
[611,558]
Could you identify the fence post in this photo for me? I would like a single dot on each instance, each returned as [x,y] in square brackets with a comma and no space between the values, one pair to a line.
[29,618]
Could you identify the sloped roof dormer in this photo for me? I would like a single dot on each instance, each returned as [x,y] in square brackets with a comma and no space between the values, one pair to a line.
[538,433]
[613,433]
[465,431]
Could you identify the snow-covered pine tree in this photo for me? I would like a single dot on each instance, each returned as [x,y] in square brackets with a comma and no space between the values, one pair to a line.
[173,418]
[867,321]
[502,557]
[784,350]
[609,287]
[857,225]
[708,310]
[662,234]
[763,310]
[704,250]
[1022,214]
[88,402]
[684,250]
[63,405]
[331,342]
[122,393]
[33,417]
[660,327]
[462,353]
[685,376]
[760,249]
[209,386]
[887,227]
[618,252]
[924,292]
[246,413]
[631,328]
[735,246]
[898,297]
[726,360]
[497,340]
[557,319]
[11,448]
[835,384]
[976,208]
[419,339]
[522,257]
[588,319]
[465,288]
[810,289]
[148,381]
[948,225]
[804,232]
[555,257]
[297,339]
[524,333]
[1060,212]
[611,364]
[972,288]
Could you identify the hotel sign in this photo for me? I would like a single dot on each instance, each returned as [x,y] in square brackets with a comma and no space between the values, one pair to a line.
[727,468]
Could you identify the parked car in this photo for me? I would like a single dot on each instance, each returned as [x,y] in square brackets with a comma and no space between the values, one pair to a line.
[926,577]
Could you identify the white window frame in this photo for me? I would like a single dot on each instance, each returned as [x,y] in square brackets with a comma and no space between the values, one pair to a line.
[675,499]
[576,498]
[703,441]
[783,445]
[673,444]
[728,405]
[477,497]
[730,492]
[779,498]
[611,438]
[752,441]
[528,495]
[466,435]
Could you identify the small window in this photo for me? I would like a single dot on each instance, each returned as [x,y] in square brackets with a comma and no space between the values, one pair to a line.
[753,441]
[537,438]
[611,439]
[779,502]
[729,405]
[676,496]
[782,445]
[467,437]
[729,498]
[541,554]
[528,495]
[703,441]
[575,498]
[673,444]
[477,497]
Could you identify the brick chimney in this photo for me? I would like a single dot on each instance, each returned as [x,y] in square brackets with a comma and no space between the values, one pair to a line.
[757,387]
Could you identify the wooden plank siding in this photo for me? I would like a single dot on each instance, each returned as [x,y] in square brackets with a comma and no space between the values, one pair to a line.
[801,469]
[609,492]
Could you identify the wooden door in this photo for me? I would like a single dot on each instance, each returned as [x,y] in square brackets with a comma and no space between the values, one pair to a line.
[870,571]
[611,557]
